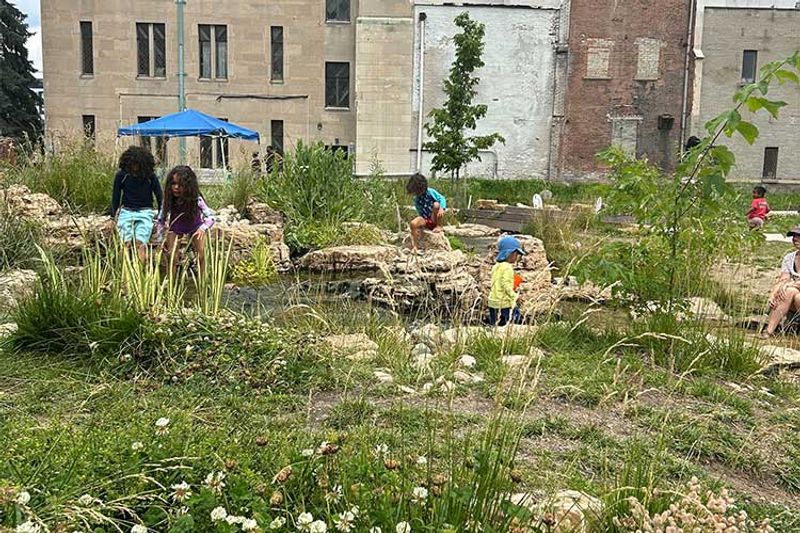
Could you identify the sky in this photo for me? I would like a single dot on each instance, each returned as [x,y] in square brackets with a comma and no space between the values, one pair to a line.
[31,8]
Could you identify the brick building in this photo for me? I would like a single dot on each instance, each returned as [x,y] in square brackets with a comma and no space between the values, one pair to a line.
[627,82]
[733,39]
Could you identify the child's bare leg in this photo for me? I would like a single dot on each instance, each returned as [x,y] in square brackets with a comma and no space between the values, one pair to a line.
[199,244]
[416,226]
[781,310]
[141,250]
[171,249]
[438,217]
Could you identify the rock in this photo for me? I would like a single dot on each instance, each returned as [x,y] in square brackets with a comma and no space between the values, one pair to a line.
[7,329]
[421,349]
[467,361]
[430,241]
[573,511]
[244,236]
[383,377]
[463,335]
[260,213]
[16,286]
[569,289]
[228,216]
[756,322]
[407,390]
[466,378]
[514,360]
[396,293]
[778,358]
[350,258]
[430,334]
[75,233]
[356,346]
[21,202]
[442,261]
[703,309]
[422,361]
[489,204]
[471,231]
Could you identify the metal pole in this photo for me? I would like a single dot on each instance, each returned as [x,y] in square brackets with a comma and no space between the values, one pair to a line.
[181,76]
[422,17]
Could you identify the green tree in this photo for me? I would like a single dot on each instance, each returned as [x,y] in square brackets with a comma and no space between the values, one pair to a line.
[451,146]
[19,113]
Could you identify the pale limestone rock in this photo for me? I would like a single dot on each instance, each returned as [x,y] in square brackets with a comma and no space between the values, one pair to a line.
[7,329]
[21,202]
[429,241]
[383,377]
[350,258]
[467,361]
[355,346]
[260,213]
[471,231]
[15,287]
[514,360]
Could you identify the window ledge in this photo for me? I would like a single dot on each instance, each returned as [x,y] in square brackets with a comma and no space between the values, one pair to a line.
[337,109]
[606,78]
[151,78]
[86,76]
[213,80]
[338,22]
[276,82]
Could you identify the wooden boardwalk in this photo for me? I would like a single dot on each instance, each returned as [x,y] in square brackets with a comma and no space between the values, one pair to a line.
[514,219]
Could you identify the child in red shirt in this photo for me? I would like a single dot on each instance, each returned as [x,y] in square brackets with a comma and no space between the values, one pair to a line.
[758,209]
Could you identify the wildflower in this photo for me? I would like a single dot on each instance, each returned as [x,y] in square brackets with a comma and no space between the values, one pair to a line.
[419,495]
[284,474]
[402,527]
[162,426]
[318,527]
[308,452]
[375,529]
[326,448]
[304,521]
[138,528]
[233,519]
[23,498]
[334,495]
[355,511]
[28,527]
[136,446]
[381,450]
[249,525]
[276,499]
[214,481]
[182,491]
[422,460]
[86,500]
[344,522]
[219,514]
[277,523]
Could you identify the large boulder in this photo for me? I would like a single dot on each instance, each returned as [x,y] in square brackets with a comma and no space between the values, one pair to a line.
[471,231]
[355,346]
[245,236]
[350,258]
[75,233]
[15,287]
[21,202]
[429,241]
[260,213]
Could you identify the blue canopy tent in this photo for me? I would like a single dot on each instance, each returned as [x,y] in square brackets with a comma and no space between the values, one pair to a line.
[189,123]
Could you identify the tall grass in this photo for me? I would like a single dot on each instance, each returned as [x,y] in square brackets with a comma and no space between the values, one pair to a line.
[18,240]
[78,176]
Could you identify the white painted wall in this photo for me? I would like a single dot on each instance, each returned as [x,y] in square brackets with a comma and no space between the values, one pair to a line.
[516,82]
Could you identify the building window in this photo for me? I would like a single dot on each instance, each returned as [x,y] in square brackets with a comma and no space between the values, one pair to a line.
[770,162]
[160,151]
[276,135]
[213,40]
[214,152]
[598,58]
[337,10]
[151,50]
[648,62]
[87,49]
[749,66]
[337,85]
[276,53]
[206,152]
[89,129]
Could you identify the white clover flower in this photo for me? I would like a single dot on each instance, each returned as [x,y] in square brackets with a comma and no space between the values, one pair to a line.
[249,525]
[334,495]
[233,519]
[318,527]
[304,521]
[136,446]
[86,500]
[344,522]
[138,528]
[28,527]
[419,494]
[277,523]
[322,447]
[214,481]
[182,491]
[422,460]
[162,426]
[402,527]
[355,510]
[308,452]
[381,450]
[23,498]
[219,514]
[375,529]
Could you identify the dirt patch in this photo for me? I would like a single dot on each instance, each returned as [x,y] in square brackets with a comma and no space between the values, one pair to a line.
[612,420]
[760,488]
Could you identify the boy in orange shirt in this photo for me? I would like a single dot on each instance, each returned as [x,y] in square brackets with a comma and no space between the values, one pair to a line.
[758,209]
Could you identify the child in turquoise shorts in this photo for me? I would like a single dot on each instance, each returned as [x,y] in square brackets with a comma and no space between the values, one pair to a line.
[135,186]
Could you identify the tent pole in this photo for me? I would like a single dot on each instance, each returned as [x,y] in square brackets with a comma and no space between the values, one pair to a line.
[181,75]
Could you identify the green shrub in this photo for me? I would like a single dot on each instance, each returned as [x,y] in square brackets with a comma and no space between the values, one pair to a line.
[257,270]
[78,177]
[361,234]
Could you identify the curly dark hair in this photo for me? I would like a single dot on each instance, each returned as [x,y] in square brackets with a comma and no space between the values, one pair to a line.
[190,192]
[417,184]
[138,162]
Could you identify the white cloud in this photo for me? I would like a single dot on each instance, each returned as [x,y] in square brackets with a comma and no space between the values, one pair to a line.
[34,45]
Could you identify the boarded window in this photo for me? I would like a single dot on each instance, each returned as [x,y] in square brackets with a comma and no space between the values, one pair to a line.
[276,53]
[337,84]
[749,66]
[770,162]
[598,58]
[625,133]
[337,10]
[648,62]
[87,49]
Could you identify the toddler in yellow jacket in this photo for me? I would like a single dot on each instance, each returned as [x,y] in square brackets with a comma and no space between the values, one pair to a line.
[503,295]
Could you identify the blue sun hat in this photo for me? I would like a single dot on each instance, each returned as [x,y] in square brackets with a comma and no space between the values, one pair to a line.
[507,246]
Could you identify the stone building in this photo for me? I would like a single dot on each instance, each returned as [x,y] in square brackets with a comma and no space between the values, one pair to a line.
[627,82]
[734,38]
